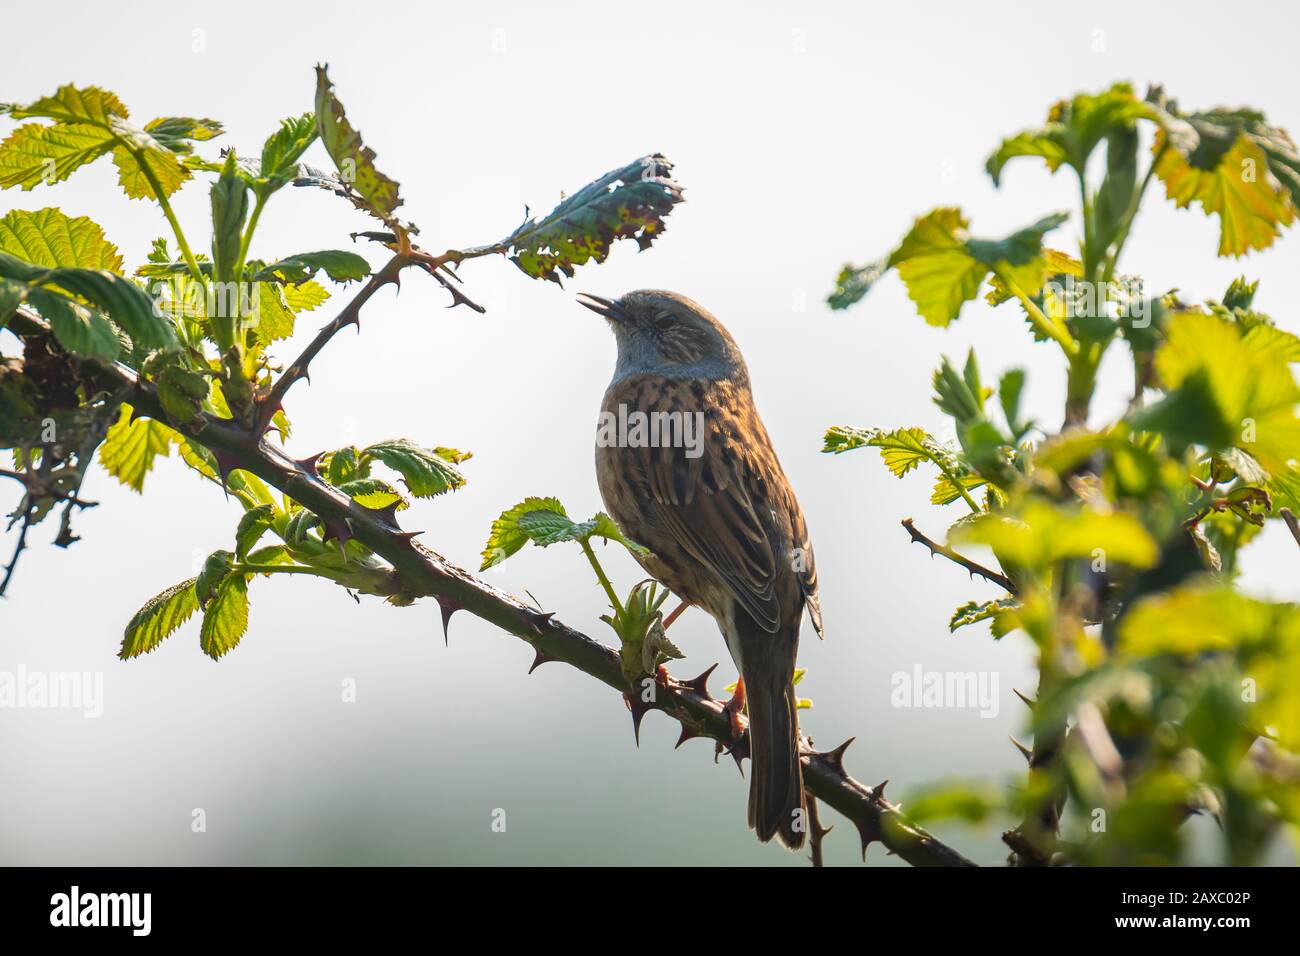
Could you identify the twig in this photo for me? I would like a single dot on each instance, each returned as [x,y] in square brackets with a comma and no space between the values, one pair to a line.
[1001,580]
[816,833]
[22,543]
[1292,522]
[426,573]
[350,315]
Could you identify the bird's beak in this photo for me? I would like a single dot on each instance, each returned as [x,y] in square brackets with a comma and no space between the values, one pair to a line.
[602,306]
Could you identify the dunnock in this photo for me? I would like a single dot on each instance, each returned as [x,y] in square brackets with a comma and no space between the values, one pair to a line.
[703,490]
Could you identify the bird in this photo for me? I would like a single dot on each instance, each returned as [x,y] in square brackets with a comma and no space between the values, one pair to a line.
[723,528]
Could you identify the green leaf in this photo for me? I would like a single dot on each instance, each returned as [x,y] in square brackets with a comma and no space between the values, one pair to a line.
[373,493]
[946,490]
[282,150]
[216,568]
[305,296]
[80,330]
[973,612]
[507,537]
[1074,128]
[354,160]
[274,318]
[226,617]
[854,282]
[1043,534]
[943,267]
[49,238]
[176,132]
[252,525]
[160,617]
[603,526]
[229,200]
[339,265]
[1010,387]
[34,154]
[150,158]
[1235,165]
[124,301]
[1225,389]
[424,471]
[627,203]
[73,105]
[901,449]
[967,801]
[130,447]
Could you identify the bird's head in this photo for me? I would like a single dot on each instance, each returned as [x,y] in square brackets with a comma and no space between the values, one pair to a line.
[663,333]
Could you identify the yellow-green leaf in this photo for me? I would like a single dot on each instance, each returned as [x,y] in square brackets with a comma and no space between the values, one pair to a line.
[48,237]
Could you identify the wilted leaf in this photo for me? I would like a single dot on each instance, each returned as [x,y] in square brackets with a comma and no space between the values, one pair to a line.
[627,203]
[354,160]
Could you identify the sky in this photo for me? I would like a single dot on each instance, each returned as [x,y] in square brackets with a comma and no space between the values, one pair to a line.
[806,135]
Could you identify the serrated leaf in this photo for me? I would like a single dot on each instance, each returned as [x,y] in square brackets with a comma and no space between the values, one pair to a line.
[80,330]
[354,160]
[48,237]
[946,491]
[1235,164]
[972,612]
[252,525]
[305,296]
[374,493]
[117,296]
[34,154]
[71,104]
[507,537]
[226,617]
[274,318]
[130,447]
[134,171]
[338,264]
[1074,128]
[283,149]
[424,472]
[942,266]
[160,617]
[627,203]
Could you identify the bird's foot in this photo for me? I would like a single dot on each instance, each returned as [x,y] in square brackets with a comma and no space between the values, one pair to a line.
[733,709]
[675,614]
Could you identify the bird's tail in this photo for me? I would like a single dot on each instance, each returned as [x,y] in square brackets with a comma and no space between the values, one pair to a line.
[776,797]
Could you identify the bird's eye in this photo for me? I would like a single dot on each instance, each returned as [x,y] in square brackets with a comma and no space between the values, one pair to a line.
[663,320]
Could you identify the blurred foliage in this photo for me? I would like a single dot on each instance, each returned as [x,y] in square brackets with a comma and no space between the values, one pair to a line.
[1165,691]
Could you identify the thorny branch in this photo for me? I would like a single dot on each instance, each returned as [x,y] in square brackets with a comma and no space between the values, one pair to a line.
[422,572]
[1001,580]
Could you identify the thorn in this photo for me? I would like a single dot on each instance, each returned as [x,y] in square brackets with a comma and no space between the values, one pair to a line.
[1024,751]
[337,529]
[540,618]
[701,684]
[539,660]
[836,757]
[1027,702]
[449,606]
[407,536]
[739,751]
[879,792]
[388,514]
[638,707]
[688,733]
[308,464]
[868,833]
[225,465]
